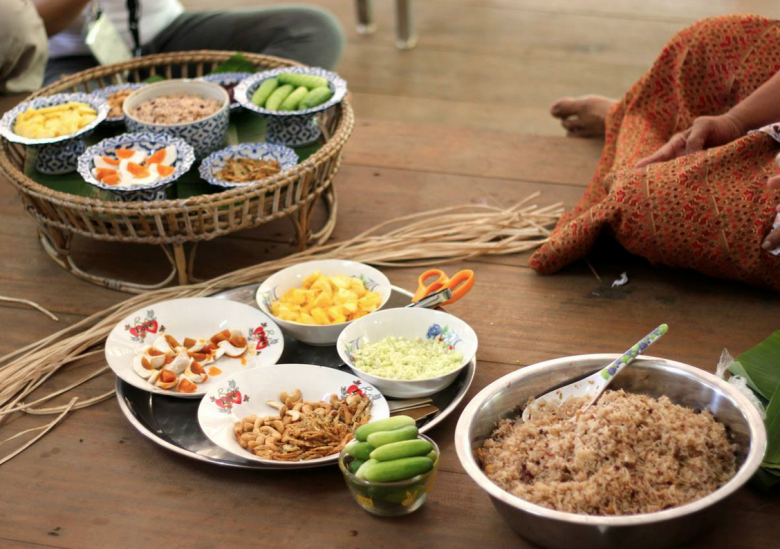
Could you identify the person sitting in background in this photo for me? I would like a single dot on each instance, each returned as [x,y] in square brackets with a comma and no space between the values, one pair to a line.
[688,174]
[304,34]
[23,47]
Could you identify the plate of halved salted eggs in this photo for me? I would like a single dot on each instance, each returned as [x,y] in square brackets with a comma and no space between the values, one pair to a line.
[184,347]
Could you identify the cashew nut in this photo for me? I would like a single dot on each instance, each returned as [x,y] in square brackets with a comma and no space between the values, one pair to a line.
[274,404]
[270,432]
[295,414]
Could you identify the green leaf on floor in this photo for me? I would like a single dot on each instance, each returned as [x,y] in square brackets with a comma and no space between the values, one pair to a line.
[762,365]
[765,480]
[736,369]
[772,422]
[236,63]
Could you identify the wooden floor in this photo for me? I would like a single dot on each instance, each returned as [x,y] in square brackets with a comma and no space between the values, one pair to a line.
[462,118]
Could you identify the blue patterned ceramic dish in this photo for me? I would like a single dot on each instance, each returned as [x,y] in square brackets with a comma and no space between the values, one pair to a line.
[409,323]
[285,156]
[147,142]
[228,80]
[56,155]
[109,90]
[292,128]
[205,135]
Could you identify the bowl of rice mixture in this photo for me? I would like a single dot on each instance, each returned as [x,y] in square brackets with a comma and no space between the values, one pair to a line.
[192,110]
[648,465]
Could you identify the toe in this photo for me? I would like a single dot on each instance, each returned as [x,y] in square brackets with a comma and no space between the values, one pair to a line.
[565,107]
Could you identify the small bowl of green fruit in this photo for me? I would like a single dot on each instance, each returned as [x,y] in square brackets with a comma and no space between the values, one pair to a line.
[390,468]
[290,99]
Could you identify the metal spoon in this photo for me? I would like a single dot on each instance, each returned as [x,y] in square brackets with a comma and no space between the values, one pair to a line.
[595,384]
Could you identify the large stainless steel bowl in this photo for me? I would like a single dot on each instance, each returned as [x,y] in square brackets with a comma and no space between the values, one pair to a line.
[683,384]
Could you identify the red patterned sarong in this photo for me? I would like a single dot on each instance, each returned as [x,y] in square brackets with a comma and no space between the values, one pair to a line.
[708,211]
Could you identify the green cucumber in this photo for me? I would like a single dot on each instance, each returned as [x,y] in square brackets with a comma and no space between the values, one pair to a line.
[433,456]
[306,80]
[361,450]
[315,97]
[278,97]
[363,469]
[354,465]
[388,437]
[397,469]
[291,103]
[387,424]
[264,91]
[402,449]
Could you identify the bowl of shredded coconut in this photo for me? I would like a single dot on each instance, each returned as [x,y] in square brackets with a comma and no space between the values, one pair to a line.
[409,352]
[193,110]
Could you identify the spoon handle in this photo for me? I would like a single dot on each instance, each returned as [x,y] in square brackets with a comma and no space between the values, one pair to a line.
[621,362]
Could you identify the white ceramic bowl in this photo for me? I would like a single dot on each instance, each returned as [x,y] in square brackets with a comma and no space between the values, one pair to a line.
[205,135]
[275,287]
[195,317]
[411,323]
[245,393]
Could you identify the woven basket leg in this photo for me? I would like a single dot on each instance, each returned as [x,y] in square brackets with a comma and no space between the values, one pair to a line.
[57,244]
[331,202]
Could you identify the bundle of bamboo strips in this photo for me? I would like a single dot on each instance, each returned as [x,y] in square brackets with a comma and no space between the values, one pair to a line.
[421,239]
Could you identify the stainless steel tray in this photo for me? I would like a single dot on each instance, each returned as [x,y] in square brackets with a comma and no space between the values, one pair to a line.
[172,422]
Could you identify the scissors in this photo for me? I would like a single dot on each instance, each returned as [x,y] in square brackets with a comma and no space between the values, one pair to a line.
[460,284]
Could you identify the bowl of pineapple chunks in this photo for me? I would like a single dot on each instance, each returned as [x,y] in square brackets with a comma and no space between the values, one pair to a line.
[315,300]
[56,125]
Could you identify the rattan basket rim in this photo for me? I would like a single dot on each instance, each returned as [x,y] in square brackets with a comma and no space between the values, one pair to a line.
[162,207]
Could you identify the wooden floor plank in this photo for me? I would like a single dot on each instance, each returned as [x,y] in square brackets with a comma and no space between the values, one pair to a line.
[502,155]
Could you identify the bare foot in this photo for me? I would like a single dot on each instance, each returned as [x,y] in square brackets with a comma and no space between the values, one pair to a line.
[582,116]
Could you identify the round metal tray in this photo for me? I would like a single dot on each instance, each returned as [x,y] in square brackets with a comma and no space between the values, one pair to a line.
[173,422]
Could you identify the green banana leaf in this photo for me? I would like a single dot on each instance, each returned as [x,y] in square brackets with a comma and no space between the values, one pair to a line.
[236,63]
[762,365]
[772,422]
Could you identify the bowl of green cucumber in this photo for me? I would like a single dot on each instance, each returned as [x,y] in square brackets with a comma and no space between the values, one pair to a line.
[389,467]
[290,99]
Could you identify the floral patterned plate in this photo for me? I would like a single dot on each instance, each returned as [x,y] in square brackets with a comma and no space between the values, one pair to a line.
[198,317]
[409,323]
[245,393]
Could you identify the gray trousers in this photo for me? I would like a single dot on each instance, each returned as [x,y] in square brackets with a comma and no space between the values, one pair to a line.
[308,35]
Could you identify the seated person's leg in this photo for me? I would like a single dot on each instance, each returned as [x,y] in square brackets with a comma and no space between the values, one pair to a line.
[58,67]
[308,35]
[23,47]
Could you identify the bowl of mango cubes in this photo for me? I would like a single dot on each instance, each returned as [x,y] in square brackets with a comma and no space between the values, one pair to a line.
[315,300]
[55,125]
[290,99]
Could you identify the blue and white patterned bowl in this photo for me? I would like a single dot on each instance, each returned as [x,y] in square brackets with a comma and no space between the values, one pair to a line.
[147,142]
[292,128]
[285,156]
[56,155]
[205,135]
[228,79]
[109,90]
[409,323]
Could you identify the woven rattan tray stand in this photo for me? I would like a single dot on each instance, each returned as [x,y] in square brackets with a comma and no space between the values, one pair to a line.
[173,223]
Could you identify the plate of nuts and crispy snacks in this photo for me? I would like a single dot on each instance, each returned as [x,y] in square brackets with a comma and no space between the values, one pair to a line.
[289,415]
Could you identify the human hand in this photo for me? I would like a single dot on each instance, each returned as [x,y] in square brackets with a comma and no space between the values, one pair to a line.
[706,132]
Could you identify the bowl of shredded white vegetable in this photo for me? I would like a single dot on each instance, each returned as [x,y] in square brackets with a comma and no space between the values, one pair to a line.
[408,353]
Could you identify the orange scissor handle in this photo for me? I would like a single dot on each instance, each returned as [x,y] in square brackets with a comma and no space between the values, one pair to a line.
[424,289]
[460,284]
